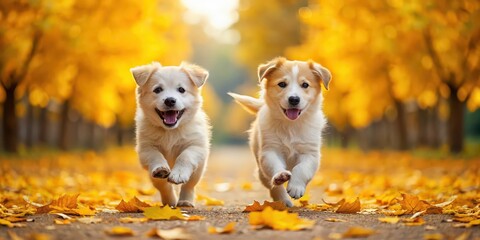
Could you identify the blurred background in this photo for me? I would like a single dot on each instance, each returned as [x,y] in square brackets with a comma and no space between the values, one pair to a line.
[406,74]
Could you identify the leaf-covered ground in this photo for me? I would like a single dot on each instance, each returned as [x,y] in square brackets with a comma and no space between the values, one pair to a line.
[377,195]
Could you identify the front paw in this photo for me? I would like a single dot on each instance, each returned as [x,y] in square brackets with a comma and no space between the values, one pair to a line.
[177,177]
[185,203]
[295,190]
[161,172]
[281,177]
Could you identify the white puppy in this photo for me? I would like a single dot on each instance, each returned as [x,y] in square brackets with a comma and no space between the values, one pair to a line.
[286,135]
[172,130]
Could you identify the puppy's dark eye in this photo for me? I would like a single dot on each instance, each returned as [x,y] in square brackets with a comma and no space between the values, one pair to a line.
[157,90]
[181,89]
[305,85]
[282,84]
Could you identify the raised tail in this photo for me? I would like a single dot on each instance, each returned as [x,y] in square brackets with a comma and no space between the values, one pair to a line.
[251,104]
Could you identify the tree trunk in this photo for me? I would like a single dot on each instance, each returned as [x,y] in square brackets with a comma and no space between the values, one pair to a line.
[43,127]
[455,122]
[422,131]
[401,126]
[345,135]
[10,121]
[30,122]
[63,138]
[434,128]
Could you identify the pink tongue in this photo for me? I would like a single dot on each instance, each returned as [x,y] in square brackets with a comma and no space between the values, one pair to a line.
[170,117]
[293,113]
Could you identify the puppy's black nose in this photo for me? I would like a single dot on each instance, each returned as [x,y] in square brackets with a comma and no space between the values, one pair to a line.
[170,102]
[294,100]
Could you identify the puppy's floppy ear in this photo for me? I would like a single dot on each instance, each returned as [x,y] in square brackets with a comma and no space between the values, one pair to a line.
[265,69]
[321,72]
[142,73]
[197,74]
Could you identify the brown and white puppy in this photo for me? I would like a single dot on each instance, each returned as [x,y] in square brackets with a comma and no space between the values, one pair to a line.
[172,130]
[286,134]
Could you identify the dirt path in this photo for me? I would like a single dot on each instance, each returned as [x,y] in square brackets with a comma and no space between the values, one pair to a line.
[229,171]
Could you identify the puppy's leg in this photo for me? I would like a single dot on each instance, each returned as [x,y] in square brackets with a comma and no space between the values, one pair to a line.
[186,163]
[302,173]
[166,191]
[278,193]
[154,161]
[187,192]
[273,167]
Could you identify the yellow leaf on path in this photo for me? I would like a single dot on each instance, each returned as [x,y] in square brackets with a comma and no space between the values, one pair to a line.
[392,220]
[132,220]
[84,211]
[120,231]
[256,207]
[15,219]
[349,207]
[163,213]
[247,186]
[170,234]
[62,221]
[433,236]
[209,201]
[279,220]
[89,220]
[64,202]
[335,204]
[6,223]
[413,221]
[413,204]
[335,220]
[229,228]
[357,232]
[194,218]
[132,206]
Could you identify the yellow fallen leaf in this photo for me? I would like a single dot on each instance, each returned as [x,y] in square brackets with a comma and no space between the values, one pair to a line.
[65,202]
[132,206]
[279,220]
[89,220]
[256,207]
[413,204]
[84,211]
[335,220]
[357,232]
[229,228]
[391,220]
[170,234]
[6,223]
[247,186]
[209,201]
[132,220]
[319,207]
[433,236]
[62,221]
[119,231]
[163,213]
[413,221]
[195,218]
[349,207]
[15,219]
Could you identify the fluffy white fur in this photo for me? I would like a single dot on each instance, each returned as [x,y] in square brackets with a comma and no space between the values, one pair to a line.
[286,149]
[172,153]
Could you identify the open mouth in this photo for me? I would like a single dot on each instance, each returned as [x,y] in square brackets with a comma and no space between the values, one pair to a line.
[170,118]
[292,113]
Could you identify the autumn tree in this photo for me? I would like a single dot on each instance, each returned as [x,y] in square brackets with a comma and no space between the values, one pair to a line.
[78,53]
[387,52]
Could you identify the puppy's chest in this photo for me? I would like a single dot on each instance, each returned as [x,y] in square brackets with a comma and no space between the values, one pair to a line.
[293,142]
[171,146]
